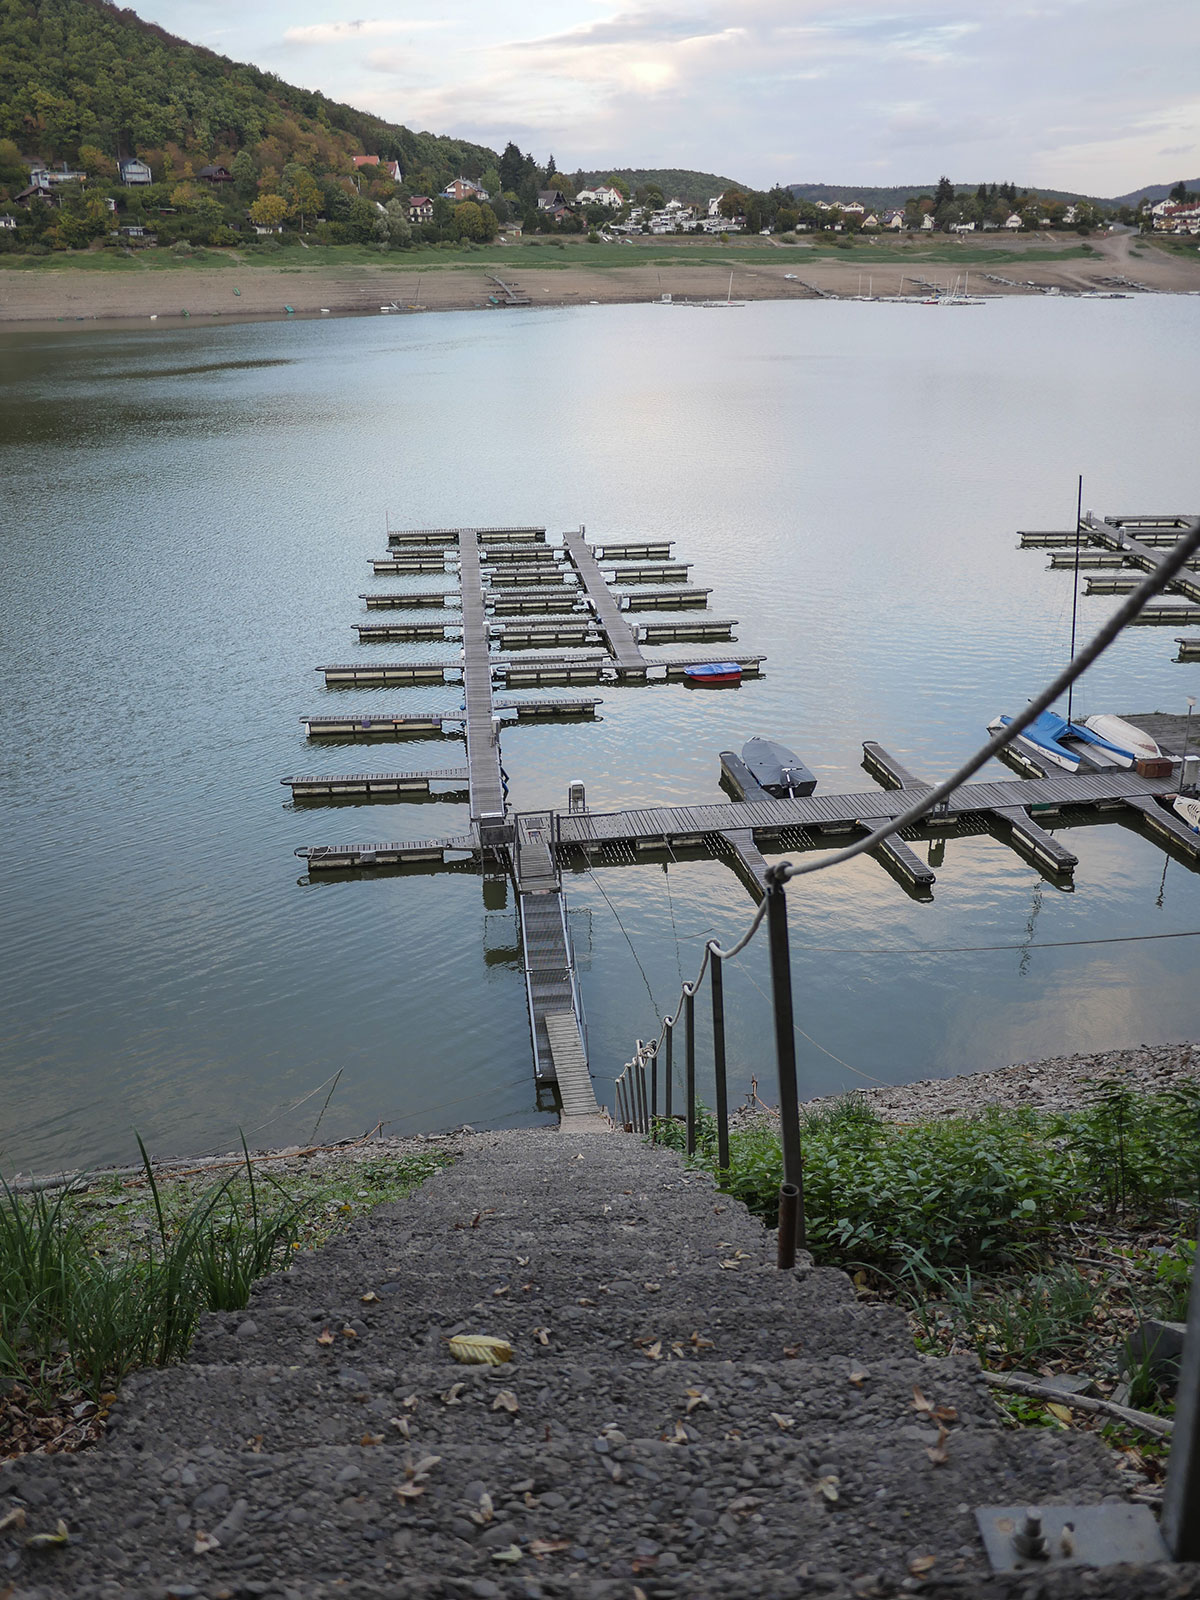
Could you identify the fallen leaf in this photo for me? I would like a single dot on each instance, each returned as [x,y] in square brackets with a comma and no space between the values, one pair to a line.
[1061,1412]
[255,1443]
[782,1421]
[480,1350]
[512,1553]
[585,1302]
[729,1266]
[401,1423]
[858,1377]
[679,1436]
[371,1438]
[829,1487]
[937,1452]
[920,1565]
[790,1352]
[653,1352]
[348,1332]
[506,1400]
[13,1519]
[696,1397]
[410,1404]
[549,1547]
[700,1343]
[409,1491]
[920,1403]
[324,1337]
[45,1541]
[423,1467]
[204,1542]
[522,1261]
[652,1288]
[370,1298]
[542,1335]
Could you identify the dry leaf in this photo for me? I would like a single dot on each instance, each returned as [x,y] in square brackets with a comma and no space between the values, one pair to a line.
[409,1491]
[829,1487]
[920,1403]
[653,1352]
[204,1543]
[423,1467]
[937,1452]
[255,1443]
[513,1552]
[486,1512]
[696,1397]
[506,1400]
[585,1302]
[13,1519]
[783,1421]
[1061,1412]
[370,1298]
[410,1404]
[858,1377]
[699,1343]
[503,1289]
[45,1541]
[790,1352]
[652,1288]
[679,1436]
[348,1332]
[371,1438]
[522,1261]
[920,1565]
[402,1424]
[548,1547]
[480,1350]
[542,1335]
[324,1337]
[729,1265]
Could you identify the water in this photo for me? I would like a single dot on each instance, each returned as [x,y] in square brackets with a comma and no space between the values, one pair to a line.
[188,516]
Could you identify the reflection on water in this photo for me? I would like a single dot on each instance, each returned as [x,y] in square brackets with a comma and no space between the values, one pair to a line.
[189,517]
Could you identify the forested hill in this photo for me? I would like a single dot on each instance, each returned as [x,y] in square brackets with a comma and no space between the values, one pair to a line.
[693,188]
[82,73]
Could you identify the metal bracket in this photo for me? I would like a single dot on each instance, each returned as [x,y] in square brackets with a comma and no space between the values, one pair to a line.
[1038,1538]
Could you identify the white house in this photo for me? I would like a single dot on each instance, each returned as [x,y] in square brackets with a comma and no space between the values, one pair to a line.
[134,171]
[851,208]
[962,227]
[463,189]
[604,195]
[7,221]
[870,220]
[927,222]
[1013,221]
[893,219]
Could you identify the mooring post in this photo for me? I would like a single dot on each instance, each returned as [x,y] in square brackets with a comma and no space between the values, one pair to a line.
[718,1022]
[791,1191]
[689,1041]
[1181,1496]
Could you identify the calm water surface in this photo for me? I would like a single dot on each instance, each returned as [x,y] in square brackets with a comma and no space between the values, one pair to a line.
[188,517]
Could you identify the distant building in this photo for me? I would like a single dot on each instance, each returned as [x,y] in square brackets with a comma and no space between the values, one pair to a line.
[134,171]
[215,174]
[1013,222]
[893,219]
[551,200]
[870,220]
[7,220]
[420,208]
[927,222]
[461,189]
[962,227]
[391,168]
[603,195]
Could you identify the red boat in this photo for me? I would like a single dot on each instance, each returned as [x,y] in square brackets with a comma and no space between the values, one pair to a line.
[714,672]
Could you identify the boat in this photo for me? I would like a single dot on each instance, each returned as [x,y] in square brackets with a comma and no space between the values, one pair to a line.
[1127,743]
[776,769]
[1187,807]
[713,672]
[1093,743]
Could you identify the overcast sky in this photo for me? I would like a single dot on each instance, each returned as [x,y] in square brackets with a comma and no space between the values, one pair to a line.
[1100,96]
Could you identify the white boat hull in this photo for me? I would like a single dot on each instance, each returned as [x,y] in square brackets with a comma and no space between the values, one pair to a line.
[1188,809]
[1116,731]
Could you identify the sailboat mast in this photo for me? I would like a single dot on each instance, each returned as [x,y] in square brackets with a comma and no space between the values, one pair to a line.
[1075,595]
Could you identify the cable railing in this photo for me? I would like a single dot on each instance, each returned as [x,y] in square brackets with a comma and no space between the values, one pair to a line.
[637,1086]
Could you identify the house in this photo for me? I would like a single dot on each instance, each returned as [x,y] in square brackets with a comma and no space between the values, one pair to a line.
[390,168]
[134,171]
[927,222]
[870,220]
[1177,219]
[1071,214]
[215,174]
[463,189]
[420,208]
[603,195]
[46,178]
[1013,222]
[551,200]
[962,227]
[893,219]
[7,220]
[133,230]
[851,208]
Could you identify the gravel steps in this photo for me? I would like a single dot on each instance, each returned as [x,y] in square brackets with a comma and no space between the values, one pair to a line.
[732,1430]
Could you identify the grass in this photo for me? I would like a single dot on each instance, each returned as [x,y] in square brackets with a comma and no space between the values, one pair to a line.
[97,1281]
[1035,1240]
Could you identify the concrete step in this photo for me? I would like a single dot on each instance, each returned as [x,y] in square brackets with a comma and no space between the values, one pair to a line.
[643,1395]
[736,1322]
[842,1503]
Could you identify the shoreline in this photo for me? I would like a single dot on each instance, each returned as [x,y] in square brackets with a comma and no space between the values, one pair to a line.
[1056,1083]
[39,298]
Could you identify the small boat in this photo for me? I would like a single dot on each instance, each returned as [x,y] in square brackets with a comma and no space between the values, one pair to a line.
[1043,736]
[777,769]
[713,672]
[1125,741]
[1187,807]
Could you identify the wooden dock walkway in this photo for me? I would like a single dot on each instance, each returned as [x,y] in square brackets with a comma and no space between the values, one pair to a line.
[450,536]
[488,803]
[387,724]
[392,785]
[622,641]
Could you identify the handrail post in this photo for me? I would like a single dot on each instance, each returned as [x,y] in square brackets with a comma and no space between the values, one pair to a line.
[643,1119]
[718,1022]
[1181,1495]
[654,1096]
[791,1192]
[670,1072]
[689,1043]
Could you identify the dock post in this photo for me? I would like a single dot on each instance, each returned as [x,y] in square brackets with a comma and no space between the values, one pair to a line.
[1181,1496]
[718,1022]
[654,1097]
[791,1190]
[689,1039]
[670,1070]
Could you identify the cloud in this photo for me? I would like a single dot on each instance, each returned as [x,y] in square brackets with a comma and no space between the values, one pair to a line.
[342,32]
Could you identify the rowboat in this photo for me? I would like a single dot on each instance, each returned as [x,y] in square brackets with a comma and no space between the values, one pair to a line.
[713,673]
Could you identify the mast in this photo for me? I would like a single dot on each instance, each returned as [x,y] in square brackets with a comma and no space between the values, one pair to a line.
[1075,595]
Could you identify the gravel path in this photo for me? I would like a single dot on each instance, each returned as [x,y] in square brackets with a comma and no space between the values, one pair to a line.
[679,1419]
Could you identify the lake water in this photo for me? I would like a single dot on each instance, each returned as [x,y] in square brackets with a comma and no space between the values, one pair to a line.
[188,517]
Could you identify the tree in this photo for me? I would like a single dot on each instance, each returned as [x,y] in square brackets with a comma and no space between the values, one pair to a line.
[491,181]
[614,181]
[468,222]
[943,194]
[1179,193]
[392,227]
[95,163]
[551,169]
[301,191]
[245,176]
[269,210]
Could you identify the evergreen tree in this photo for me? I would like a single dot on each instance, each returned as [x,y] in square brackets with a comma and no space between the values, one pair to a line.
[944,193]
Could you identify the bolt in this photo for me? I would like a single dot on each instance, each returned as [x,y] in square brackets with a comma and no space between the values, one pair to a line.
[1029,1539]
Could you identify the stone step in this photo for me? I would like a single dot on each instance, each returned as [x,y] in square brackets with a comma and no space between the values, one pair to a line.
[645,1395]
[738,1324]
[845,1503]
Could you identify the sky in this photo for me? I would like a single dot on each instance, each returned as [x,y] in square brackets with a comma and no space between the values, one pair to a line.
[1095,96]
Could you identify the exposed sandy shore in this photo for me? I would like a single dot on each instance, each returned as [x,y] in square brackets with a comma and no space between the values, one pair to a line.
[53,294]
